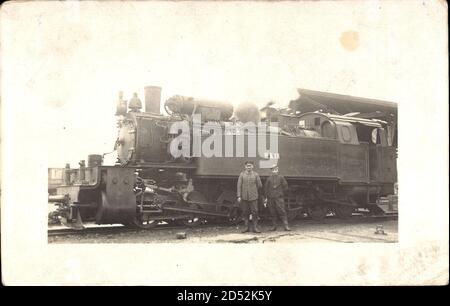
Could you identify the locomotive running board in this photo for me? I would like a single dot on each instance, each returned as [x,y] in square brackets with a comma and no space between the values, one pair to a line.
[195,211]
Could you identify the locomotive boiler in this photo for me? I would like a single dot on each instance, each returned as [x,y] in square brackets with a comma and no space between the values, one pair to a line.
[334,163]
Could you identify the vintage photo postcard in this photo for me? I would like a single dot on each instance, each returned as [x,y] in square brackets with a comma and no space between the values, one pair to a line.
[224,143]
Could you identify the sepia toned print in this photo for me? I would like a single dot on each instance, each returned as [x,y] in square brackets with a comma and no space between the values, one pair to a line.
[338,152]
[158,141]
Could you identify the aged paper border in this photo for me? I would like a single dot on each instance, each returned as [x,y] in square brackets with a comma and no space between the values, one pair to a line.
[420,257]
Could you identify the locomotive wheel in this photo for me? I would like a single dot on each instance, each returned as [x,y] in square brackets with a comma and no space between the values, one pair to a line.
[235,216]
[317,212]
[193,220]
[145,223]
[375,210]
[291,215]
[343,212]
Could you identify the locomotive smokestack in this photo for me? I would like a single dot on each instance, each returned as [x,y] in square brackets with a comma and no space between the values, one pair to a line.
[152,99]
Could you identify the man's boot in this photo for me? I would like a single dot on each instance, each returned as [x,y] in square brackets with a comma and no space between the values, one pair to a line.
[246,226]
[255,226]
[274,225]
[286,225]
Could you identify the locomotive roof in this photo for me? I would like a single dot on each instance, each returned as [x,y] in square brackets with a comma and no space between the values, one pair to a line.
[311,100]
[368,122]
[349,119]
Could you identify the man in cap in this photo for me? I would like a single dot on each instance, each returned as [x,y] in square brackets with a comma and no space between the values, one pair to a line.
[248,185]
[275,187]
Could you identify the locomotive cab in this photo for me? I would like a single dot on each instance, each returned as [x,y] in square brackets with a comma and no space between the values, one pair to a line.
[363,147]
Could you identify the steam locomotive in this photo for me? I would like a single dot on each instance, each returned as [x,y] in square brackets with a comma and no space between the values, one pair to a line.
[335,161]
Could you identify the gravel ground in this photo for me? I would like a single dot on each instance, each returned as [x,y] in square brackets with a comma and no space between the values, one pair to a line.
[329,230]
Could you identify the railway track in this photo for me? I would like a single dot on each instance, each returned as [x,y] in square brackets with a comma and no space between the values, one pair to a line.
[117,229]
[104,230]
[88,230]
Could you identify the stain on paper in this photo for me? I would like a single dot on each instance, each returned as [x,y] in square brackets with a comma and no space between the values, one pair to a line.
[350,40]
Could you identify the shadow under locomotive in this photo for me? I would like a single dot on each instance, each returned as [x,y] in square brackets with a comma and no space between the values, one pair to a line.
[333,164]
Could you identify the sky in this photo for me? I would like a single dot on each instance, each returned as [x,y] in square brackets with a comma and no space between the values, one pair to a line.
[64,62]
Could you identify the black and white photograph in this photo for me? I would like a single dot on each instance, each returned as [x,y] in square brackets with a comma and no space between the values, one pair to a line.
[151,142]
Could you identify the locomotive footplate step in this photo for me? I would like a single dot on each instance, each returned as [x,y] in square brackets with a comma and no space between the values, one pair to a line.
[77,224]
[388,208]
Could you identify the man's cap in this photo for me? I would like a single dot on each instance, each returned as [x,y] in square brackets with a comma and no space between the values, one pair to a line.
[249,162]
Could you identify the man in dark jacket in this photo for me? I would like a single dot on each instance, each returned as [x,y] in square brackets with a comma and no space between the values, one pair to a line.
[275,187]
[248,185]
